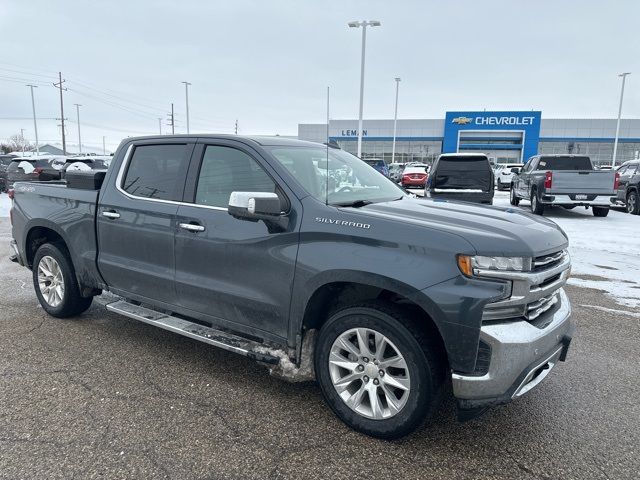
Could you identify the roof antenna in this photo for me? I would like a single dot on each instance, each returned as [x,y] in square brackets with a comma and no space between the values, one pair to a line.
[327,143]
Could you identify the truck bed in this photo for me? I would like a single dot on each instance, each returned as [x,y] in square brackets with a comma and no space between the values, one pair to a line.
[70,212]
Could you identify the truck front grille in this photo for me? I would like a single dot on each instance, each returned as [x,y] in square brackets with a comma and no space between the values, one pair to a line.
[548,261]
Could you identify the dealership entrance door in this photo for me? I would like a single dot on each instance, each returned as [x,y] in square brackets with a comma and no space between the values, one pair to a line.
[503,156]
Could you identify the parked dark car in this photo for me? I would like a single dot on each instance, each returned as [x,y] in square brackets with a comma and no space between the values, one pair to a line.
[628,187]
[5,161]
[379,164]
[243,243]
[462,176]
[31,170]
[84,164]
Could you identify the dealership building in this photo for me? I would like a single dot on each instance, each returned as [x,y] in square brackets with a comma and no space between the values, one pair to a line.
[506,137]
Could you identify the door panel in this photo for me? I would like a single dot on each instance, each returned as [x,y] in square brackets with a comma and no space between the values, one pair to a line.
[136,221]
[234,270]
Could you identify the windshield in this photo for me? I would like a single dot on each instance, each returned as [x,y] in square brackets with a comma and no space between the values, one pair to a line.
[349,179]
[565,163]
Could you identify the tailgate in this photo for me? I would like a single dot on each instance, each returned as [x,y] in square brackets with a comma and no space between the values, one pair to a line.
[594,182]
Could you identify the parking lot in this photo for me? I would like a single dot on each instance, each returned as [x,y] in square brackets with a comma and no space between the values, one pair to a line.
[102,396]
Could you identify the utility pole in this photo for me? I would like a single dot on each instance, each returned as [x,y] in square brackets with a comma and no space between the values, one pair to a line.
[160,124]
[22,140]
[364,24]
[172,122]
[186,95]
[615,143]
[35,124]
[104,148]
[236,126]
[395,121]
[78,118]
[59,85]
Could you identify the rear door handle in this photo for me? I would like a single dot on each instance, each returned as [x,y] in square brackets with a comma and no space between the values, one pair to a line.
[192,227]
[111,214]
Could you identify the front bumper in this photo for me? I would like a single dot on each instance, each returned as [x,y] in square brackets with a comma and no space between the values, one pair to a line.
[598,201]
[522,355]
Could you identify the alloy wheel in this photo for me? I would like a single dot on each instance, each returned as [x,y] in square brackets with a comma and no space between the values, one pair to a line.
[50,281]
[369,373]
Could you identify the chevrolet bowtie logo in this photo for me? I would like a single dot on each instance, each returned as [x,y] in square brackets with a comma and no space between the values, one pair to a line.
[461,120]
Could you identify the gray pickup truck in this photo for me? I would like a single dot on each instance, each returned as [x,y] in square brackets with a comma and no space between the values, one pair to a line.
[563,180]
[264,247]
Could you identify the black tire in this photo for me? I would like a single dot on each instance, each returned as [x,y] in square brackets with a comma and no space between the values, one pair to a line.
[600,211]
[536,206]
[424,358]
[633,203]
[72,302]
[513,197]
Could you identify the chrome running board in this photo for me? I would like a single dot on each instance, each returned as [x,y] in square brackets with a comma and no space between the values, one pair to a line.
[217,338]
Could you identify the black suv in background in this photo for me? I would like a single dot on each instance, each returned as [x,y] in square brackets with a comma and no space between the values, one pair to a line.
[461,176]
[628,187]
[31,170]
[5,161]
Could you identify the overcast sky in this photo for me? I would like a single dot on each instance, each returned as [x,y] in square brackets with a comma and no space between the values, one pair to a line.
[268,63]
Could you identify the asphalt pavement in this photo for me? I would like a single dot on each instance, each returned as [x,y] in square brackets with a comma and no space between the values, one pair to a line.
[102,396]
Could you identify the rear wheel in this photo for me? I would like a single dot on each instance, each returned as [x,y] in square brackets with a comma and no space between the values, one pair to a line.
[54,280]
[536,206]
[600,211]
[378,373]
[633,206]
[513,198]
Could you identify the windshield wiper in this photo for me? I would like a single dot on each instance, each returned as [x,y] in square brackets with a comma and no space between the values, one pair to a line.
[354,204]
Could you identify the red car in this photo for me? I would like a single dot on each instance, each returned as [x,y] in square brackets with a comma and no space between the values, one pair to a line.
[414,177]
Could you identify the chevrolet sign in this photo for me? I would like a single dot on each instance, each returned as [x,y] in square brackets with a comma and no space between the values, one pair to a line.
[461,120]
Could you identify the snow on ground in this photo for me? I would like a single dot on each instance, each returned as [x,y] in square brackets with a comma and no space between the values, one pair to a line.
[605,252]
[5,205]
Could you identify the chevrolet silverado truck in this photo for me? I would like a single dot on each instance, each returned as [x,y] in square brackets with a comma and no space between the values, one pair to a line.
[563,180]
[252,245]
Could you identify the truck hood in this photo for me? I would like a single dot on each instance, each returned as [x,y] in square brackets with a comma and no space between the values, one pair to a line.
[496,231]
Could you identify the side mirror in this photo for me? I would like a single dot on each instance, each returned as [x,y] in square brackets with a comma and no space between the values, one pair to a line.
[515,170]
[256,206]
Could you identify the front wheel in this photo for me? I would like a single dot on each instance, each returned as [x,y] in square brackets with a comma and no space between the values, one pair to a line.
[513,198]
[54,280]
[377,372]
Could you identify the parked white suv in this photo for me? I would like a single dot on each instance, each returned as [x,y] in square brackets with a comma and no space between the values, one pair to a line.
[504,175]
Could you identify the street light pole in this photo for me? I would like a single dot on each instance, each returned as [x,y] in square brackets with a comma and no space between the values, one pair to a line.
[78,120]
[364,24]
[35,124]
[186,94]
[395,121]
[615,143]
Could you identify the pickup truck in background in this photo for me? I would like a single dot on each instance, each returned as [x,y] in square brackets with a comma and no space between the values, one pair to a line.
[563,180]
[245,244]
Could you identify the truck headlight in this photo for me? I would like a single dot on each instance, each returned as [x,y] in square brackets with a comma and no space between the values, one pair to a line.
[471,265]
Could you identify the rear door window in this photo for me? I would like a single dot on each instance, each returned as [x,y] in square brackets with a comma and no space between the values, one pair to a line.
[463,173]
[157,171]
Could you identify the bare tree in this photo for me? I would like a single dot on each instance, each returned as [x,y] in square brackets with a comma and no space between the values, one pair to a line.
[17,143]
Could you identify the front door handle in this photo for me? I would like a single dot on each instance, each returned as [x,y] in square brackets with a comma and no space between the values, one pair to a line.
[111,214]
[192,227]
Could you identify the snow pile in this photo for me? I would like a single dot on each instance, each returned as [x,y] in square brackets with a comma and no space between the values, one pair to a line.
[605,252]
[5,205]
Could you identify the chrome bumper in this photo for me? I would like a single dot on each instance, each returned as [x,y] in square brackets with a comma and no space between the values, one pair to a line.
[521,356]
[599,201]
